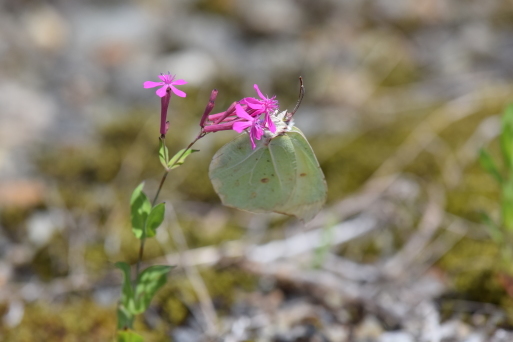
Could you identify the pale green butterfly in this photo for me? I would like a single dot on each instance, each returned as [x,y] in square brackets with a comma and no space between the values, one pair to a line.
[280,175]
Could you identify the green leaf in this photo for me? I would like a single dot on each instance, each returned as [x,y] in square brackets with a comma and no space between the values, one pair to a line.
[507,205]
[178,159]
[140,208]
[155,219]
[148,283]
[135,194]
[125,318]
[127,293]
[326,242]
[128,336]
[163,153]
[495,232]
[487,163]
[506,137]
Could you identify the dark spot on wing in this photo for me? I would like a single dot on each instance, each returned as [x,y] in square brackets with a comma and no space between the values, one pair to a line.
[264,180]
[302,174]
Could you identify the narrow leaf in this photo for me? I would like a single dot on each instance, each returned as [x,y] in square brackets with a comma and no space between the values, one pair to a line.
[506,137]
[127,293]
[148,283]
[487,163]
[507,205]
[163,153]
[178,159]
[128,336]
[493,230]
[140,208]
[155,219]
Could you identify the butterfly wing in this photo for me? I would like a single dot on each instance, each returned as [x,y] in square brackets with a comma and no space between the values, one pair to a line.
[309,192]
[282,176]
[253,180]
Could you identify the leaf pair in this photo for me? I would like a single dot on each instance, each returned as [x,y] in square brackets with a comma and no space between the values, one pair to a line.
[175,161]
[136,301]
[145,219]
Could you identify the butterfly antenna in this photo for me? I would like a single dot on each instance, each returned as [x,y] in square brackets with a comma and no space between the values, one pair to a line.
[298,103]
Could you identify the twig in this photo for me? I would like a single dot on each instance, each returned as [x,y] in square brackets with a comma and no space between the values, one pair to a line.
[429,224]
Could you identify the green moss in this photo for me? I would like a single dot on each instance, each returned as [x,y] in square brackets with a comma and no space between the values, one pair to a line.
[220,7]
[349,167]
[12,221]
[474,272]
[175,311]
[95,259]
[73,321]
[222,286]
[52,260]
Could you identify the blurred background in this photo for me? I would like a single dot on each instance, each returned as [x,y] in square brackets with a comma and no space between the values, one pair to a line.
[400,97]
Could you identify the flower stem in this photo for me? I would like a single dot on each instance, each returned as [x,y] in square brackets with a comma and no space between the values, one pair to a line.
[143,239]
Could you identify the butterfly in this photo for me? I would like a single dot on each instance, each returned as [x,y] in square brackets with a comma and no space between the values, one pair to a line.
[280,175]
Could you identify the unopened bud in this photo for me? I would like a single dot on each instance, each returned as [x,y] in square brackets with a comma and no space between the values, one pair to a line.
[208,109]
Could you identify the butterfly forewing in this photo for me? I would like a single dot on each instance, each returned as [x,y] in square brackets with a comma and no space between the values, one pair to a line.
[253,180]
[282,176]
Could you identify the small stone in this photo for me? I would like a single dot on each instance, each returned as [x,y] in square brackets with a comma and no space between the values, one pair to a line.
[337,333]
[502,335]
[396,336]
[476,337]
[47,28]
[369,328]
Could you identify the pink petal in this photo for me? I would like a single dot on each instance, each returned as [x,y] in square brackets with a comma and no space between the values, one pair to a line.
[270,123]
[249,99]
[255,106]
[253,145]
[151,84]
[241,126]
[161,91]
[166,78]
[177,91]
[253,103]
[259,92]
[241,113]
[257,132]
[179,82]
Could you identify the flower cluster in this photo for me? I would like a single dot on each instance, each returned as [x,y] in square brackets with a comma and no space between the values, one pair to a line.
[252,114]
[245,114]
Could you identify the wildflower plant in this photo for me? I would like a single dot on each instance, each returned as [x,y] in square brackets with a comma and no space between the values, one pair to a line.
[269,167]
[501,229]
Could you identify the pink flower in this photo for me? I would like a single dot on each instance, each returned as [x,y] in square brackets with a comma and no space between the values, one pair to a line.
[264,105]
[255,129]
[168,81]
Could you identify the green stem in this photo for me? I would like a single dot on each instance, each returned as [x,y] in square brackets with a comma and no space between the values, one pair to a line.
[143,239]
